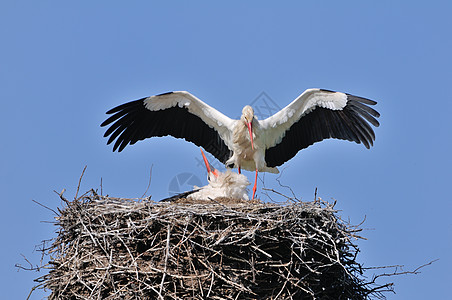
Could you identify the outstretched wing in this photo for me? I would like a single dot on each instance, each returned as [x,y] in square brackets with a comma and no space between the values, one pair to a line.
[314,116]
[179,114]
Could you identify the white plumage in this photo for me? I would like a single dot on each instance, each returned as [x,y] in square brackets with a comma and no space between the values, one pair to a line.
[248,143]
[226,184]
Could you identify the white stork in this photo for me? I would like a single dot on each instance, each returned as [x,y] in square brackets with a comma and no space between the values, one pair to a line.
[248,143]
[221,184]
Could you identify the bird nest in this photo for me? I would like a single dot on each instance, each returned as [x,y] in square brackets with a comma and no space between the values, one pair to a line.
[111,248]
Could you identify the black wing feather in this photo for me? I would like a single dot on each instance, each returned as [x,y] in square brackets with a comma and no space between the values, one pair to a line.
[351,123]
[132,122]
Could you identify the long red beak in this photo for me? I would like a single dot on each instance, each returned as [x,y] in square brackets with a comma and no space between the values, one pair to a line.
[250,129]
[206,162]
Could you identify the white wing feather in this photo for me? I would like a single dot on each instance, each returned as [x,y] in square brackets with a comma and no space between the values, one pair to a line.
[277,125]
[212,117]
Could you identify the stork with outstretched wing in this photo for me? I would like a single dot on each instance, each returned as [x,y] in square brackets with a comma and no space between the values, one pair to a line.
[248,143]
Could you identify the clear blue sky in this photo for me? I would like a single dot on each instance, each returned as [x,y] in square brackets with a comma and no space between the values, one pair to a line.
[62,65]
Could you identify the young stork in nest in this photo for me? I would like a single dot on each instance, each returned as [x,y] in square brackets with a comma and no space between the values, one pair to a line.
[221,184]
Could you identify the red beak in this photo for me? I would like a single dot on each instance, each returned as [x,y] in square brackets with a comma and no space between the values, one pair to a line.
[215,171]
[250,129]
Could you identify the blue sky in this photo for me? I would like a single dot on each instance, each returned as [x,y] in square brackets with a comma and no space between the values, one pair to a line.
[63,65]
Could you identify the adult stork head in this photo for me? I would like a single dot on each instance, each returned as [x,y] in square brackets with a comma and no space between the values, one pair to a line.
[247,118]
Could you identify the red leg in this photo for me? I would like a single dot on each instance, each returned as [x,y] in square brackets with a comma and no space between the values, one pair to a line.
[255,185]
[240,171]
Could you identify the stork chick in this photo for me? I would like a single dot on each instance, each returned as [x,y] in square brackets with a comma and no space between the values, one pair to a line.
[222,184]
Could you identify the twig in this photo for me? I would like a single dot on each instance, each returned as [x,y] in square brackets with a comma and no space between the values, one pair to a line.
[31,268]
[45,207]
[60,194]
[315,195]
[149,184]
[166,258]
[278,179]
[281,194]
[33,289]
[79,182]
[395,273]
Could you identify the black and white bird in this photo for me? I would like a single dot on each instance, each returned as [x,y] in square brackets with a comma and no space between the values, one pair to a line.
[221,184]
[247,143]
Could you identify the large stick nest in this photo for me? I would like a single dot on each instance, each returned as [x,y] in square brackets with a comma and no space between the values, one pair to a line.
[111,248]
